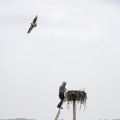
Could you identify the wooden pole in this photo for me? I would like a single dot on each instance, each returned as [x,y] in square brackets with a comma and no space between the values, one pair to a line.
[74,110]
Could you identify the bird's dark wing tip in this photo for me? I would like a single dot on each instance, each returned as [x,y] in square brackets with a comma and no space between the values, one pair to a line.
[31,27]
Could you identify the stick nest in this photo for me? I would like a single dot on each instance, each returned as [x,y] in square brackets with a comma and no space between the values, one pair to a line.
[76,95]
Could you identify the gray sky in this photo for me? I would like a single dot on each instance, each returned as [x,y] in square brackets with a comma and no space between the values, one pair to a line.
[75,41]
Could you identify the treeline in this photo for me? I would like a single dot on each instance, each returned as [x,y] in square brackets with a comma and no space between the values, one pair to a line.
[18,119]
[109,119]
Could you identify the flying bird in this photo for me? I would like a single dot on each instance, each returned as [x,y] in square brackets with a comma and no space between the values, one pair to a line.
[33,24]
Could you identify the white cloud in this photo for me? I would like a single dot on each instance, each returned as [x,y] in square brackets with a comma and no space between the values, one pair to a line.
[76,41]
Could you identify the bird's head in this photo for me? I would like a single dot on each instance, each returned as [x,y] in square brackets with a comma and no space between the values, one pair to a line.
[35,25]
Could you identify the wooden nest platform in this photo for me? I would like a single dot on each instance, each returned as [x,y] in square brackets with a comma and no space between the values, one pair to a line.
[76,95]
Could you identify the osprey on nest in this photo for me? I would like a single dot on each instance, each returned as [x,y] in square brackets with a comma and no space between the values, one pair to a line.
[33,24]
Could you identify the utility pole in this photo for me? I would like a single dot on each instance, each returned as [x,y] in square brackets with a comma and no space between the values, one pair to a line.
[74,110]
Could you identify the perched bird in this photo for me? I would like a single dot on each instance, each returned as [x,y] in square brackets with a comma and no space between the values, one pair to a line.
[33,24]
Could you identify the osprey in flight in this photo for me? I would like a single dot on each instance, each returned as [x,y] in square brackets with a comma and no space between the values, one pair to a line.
[33,24]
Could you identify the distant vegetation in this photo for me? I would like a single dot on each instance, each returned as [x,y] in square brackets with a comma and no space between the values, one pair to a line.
[18,119]
[109,119]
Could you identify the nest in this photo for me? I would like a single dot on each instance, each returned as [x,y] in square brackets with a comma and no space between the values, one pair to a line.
[76,95]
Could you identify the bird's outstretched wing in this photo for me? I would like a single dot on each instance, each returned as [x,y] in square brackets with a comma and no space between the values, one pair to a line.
[33,24]
[35,19]
[31,27]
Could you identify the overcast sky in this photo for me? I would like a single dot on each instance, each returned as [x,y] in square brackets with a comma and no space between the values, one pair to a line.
[76,41]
